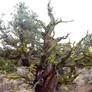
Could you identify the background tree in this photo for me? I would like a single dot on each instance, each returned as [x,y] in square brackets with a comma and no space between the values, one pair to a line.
[23,33]
[88,40]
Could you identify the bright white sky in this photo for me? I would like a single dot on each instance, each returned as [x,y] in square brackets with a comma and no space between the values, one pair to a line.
[78,10]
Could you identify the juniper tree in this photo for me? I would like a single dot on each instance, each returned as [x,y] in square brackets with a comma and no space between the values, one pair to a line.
[23,30]
[56,60]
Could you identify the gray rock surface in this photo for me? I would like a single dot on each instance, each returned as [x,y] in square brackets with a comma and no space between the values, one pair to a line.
[82,83]
[6,84]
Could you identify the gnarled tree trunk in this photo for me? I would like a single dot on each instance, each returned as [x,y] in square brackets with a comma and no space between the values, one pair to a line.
[47,79]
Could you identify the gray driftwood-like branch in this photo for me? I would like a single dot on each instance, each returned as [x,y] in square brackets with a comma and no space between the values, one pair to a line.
[61,38]
[51,14]
[53,21]
[61,21]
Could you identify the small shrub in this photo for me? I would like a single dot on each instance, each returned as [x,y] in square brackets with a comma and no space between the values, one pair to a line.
[7,65]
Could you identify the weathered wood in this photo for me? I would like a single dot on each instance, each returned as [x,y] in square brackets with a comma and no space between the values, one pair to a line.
[47,79]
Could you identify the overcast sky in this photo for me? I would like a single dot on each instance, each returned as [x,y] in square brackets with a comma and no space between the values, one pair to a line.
[78,10]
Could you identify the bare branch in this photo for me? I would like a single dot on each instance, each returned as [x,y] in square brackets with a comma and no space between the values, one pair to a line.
[61,38]
[60,21]
[67,21]
[49,8]
[51,14]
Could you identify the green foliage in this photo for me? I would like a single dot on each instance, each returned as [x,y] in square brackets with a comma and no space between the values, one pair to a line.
[88,40]
[25,24]
[10,67]
[32,67]
[23,30]
[67,75]
[2,63]
[7,65]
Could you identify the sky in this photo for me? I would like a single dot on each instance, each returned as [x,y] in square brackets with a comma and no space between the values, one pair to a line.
[78,10]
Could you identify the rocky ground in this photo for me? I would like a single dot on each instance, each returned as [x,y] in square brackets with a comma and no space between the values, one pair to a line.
[83,83]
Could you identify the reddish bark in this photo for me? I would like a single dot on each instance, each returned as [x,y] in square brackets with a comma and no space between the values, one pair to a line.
[47,79]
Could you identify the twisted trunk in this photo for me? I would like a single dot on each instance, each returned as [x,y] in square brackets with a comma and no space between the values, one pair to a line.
[47,79]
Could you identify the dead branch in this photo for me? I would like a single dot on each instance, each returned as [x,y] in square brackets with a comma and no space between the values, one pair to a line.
[61,38]
[60,21]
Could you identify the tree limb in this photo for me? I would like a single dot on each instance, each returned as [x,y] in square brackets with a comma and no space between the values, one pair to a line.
[64,59]
[61,38]
[60,21]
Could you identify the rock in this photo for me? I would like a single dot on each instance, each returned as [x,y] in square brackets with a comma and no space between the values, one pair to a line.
[6,84]
[82,83]
[85,78]
[26,90]
[22,70]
